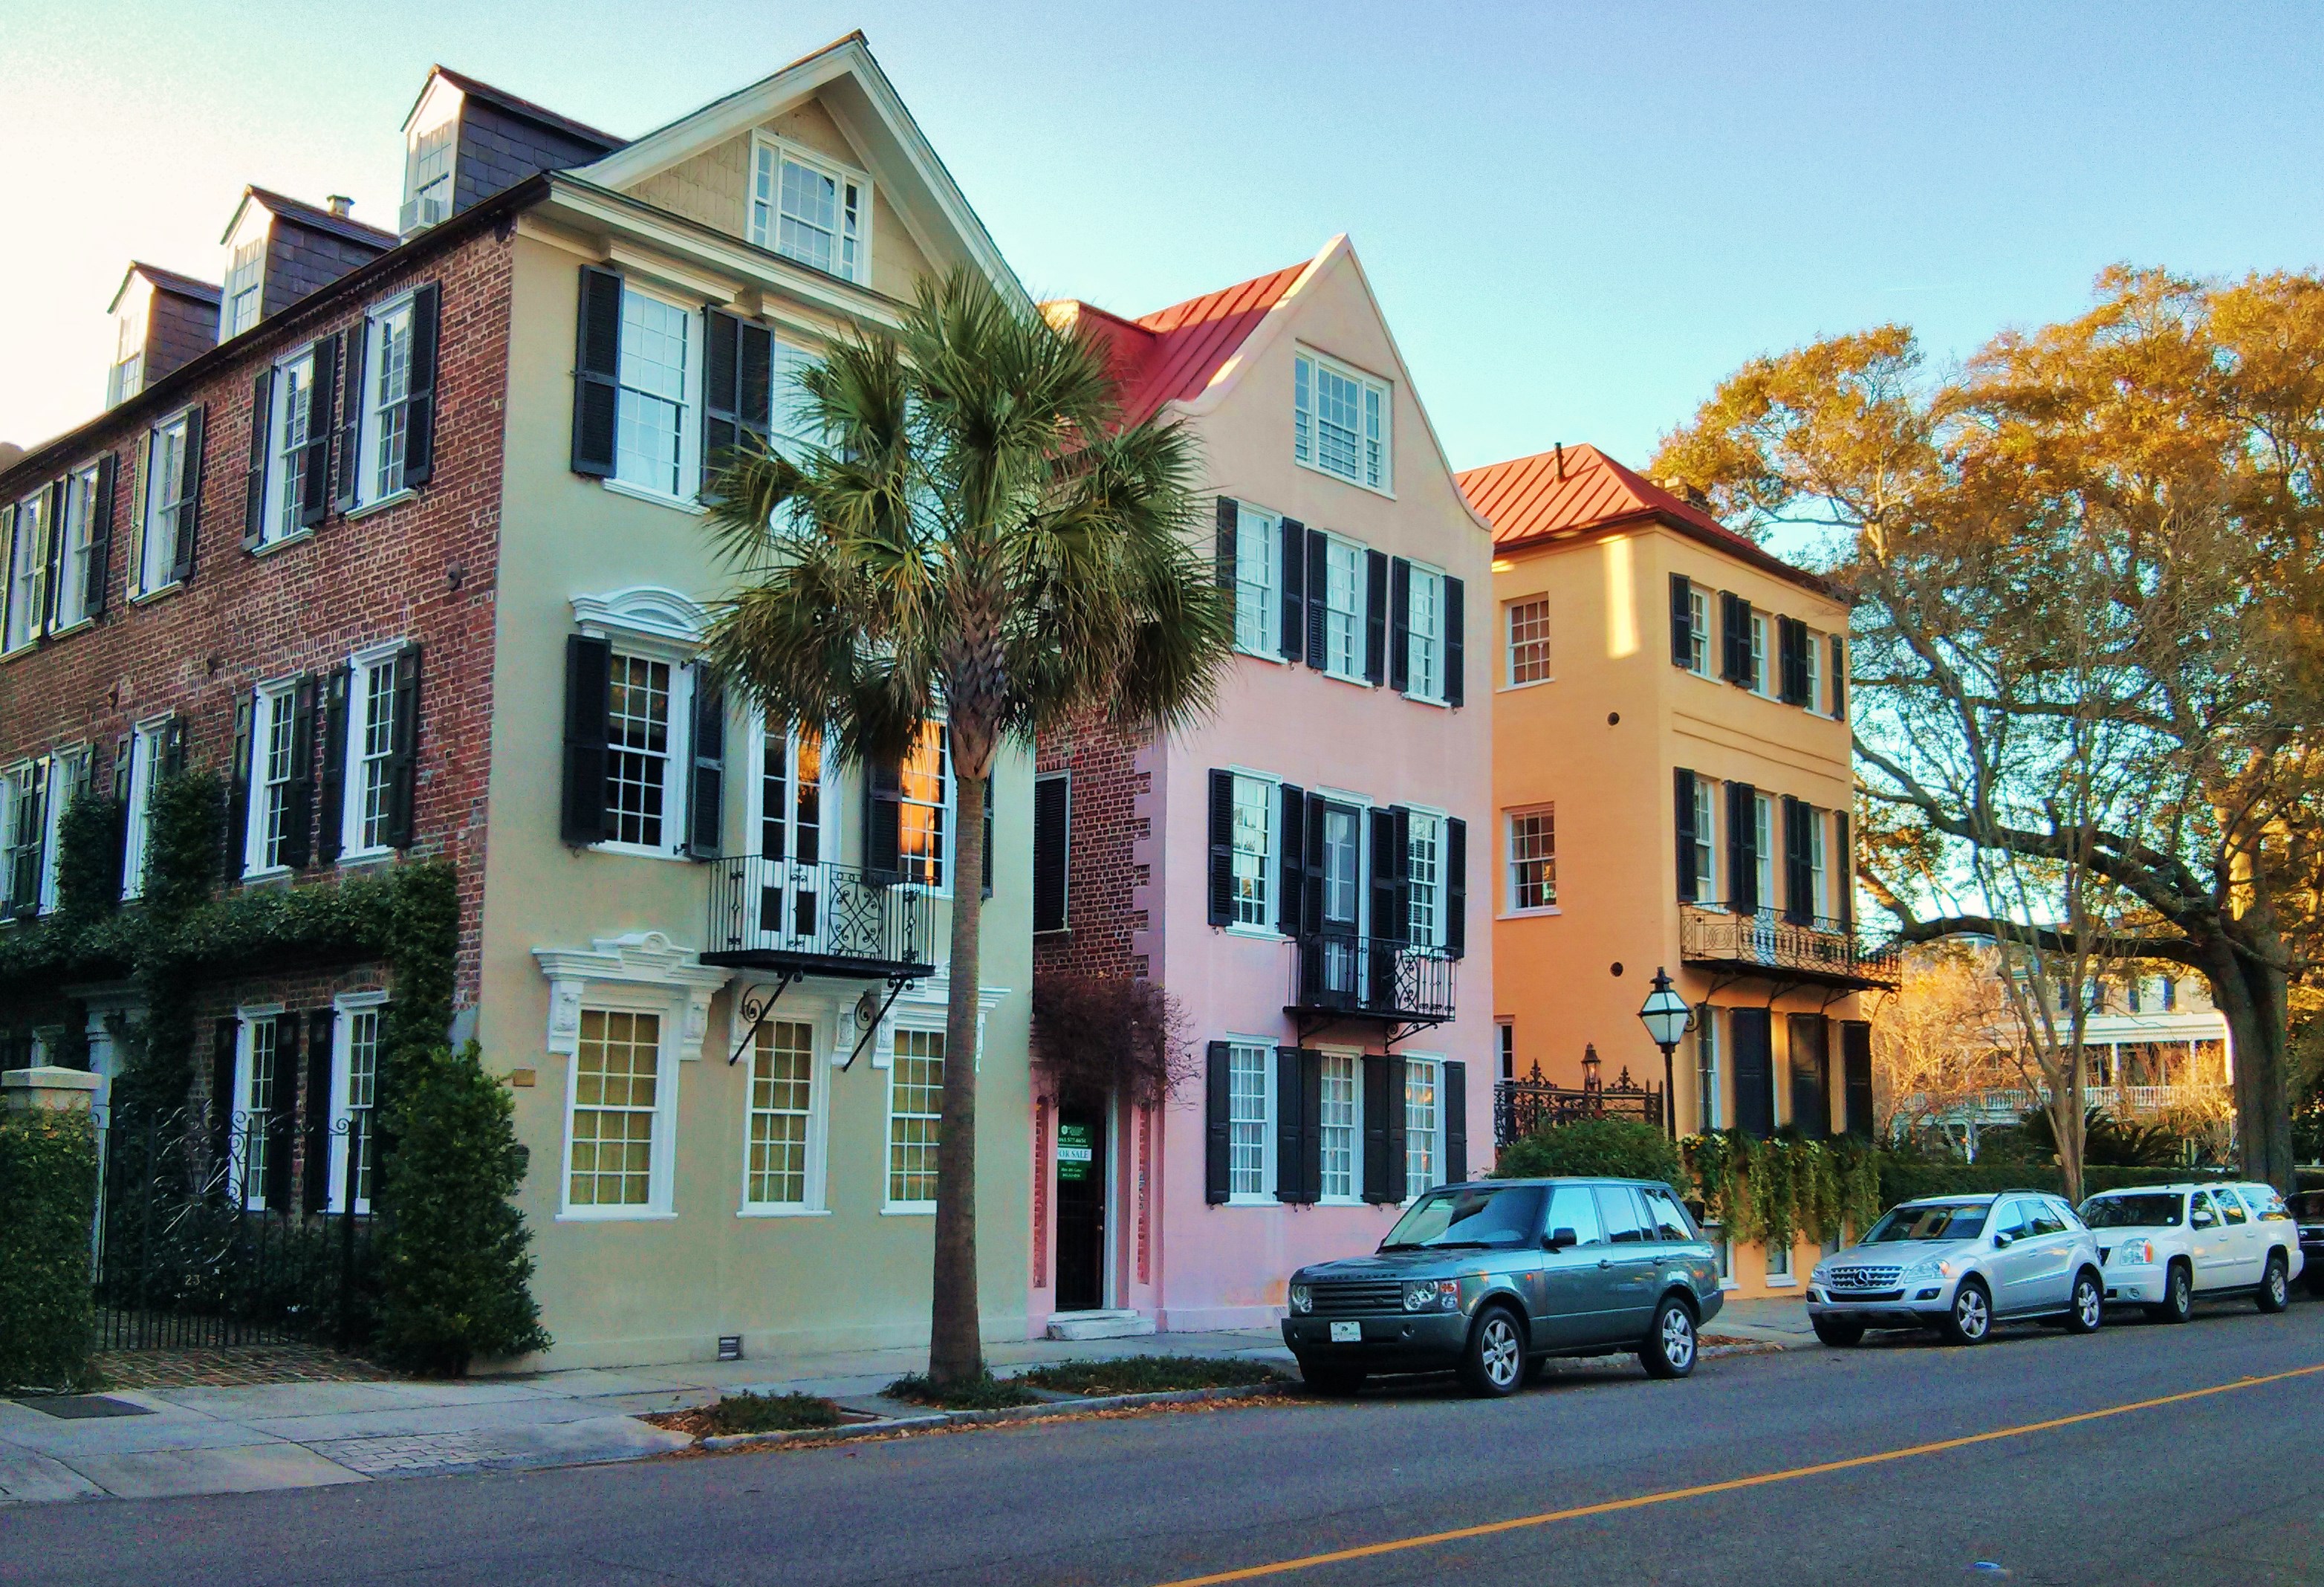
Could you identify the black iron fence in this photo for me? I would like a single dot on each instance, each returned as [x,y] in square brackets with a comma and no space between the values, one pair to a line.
[767,910]
[206,1238]
[1522,1107]
[1768,939]
[1342,973]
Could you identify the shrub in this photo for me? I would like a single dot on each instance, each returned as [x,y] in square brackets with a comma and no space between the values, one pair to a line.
[455,1275]
[770,1413]
[1151,1374]
[1619,1148]
[987,1393]
[47,1202]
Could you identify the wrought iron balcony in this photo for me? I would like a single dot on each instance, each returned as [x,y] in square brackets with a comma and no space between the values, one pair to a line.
[817,919]
[1521,1107]
[1342,975]
[1768,943]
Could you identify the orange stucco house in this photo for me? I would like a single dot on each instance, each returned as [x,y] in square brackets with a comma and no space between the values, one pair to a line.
[1672,791]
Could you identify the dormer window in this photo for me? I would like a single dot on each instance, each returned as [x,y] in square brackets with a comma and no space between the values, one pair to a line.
[246,281]
[428,178]
[127,376]
[812,209]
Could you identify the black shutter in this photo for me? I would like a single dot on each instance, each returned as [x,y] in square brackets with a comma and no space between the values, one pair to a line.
[282,1113]
[1811,1064]
[1682,620]
[1319,585]
[1798,907]
[883,821]
[1052,843]
[706,804]
[757,377]
[1294,589]
[334,789]
[1856,1064]
[1742,848]
[1751,1044]
[1397,1174]
[1378,1166]
[253,490]
[1682,800]
[419,399]
[52,573]
[1218,1160]
[298,795]
[596,371]
[1843,872]
[1291,862]
[100,533]
[1290,1102]
[1839,677]
[1456,886]
[986,865]
[1225,552]
[1734,623]
[237,809]
[347,485]
[1399,625]
[1792,645]
[1222,837]
[1311,1124]
[124,751]
[1376,617]
[317,1173]
[224,1103]
[588,677]
[1387,924]
[403,750]
[722,389]
[1311,873]
[1455,1102]
[189,504]
[1456,642]
[315,456]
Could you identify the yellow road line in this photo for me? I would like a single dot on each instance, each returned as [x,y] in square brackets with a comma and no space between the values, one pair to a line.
[1736,1484]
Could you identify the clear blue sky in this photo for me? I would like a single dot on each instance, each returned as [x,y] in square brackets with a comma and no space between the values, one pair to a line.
[1577,216]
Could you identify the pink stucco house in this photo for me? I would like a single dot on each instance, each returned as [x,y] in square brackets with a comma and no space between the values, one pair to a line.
[1295,873]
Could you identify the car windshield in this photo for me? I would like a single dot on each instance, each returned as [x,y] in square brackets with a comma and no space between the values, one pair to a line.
[2153,1210]
[1473,1215]
[1929,1221]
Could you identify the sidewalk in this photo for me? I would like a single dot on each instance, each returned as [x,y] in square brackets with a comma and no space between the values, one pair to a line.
[163,1443]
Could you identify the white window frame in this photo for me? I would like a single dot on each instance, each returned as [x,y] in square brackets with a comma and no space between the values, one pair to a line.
[821,1040]
[1706,840]
[1760,624]
[1354,1195]
[1708,1054]
[763,215]
[1360,808]
[79,527]
[371,425]
[425,174]
[363,667]
[280,498]
[1779,1266]
[1818,877]
[254,863]
[1375,469]
[947,844]
[887,1205]
[247,1019]
[66,779]
[1264,1194]
[1510,642]
[1259,582]
[147,740]
[14,782]
[247,261]
[1337,551]
[1424,656]
[1698,616]
[678,747]
[1505,1046]
[345,1007]
[615,998]
[689,466]
[1814,649]
[1763,860]
[1420,818]
[1512,890]
[1270,906]
[28,570]
[1434,1135]
[157,546]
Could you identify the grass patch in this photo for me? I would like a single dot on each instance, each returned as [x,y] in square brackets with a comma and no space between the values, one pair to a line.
[987,1393]
[768,1413]
[1151,1374]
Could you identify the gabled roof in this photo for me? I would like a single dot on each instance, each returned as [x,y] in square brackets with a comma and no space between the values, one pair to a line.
[501,99]
[1569,490]
[302,213]
[168,281]
[1191,342]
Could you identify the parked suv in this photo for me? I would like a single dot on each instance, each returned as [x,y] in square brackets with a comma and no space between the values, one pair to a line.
[2306,1209]
[2167,1246]
[1959,1264]
[1492,1279]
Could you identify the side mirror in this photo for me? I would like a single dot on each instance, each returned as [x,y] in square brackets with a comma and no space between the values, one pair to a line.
[1559,1239]
[2003,1240]
[2204,1220]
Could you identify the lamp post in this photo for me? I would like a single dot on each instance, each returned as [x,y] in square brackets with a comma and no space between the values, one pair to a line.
[1667,1019]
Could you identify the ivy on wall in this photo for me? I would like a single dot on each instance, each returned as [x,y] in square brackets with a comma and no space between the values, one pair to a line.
[1772,1191]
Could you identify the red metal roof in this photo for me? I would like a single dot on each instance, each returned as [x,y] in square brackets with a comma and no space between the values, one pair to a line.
[1570,490]
[1173,353]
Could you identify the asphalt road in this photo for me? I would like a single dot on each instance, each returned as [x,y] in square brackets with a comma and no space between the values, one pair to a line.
[2221,1488]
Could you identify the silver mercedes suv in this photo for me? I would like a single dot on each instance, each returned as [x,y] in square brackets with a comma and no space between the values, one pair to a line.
[1958,1264]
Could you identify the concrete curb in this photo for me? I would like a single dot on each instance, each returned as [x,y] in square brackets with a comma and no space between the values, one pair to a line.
[935,1420]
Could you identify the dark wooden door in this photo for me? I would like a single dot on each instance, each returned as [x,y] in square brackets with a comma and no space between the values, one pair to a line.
[1081,1209]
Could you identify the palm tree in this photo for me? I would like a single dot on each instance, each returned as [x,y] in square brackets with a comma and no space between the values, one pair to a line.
[979,540]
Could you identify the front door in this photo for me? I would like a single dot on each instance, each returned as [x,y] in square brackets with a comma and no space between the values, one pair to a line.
[1081,1209]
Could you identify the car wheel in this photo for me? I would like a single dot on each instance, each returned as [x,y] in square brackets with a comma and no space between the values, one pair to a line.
[1331,1380]
[1493,1363]
[1669,1350]
[2275,1288]
[2087,1310]
[2178,1303]
[1970,1320]
[1840,1332]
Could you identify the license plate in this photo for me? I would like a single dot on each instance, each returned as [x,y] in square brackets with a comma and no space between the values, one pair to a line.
[1347,1332]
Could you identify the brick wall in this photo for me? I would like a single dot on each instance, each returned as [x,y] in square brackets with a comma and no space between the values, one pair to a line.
[422,570]
[1107,833]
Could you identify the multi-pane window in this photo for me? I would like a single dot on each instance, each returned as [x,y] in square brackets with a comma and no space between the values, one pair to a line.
[1532,859]
[790,795]
[653,426]
[127,376]
[293,390]
[1254,825]
[616,1095]
[915,1116]
[637,750]
[1758,653]
[387,376]
[923,782]
[1423,1122]
[1424,653]
[374,747]
[428,184]
[165,473]
[1811,657]
[1342,865]
[1706,1069]
[79,530]
[1698,611]
[361,1092]
[1344,597]
[782,1081]
[253,1102]
[1338,1121]
[24,822]
[244,278]
[1247,1095]
[1258,550]
[68,780]
[272,768]
[28,569]
[1529,640]
[1817,897]
[1426,858]
[1339,421]
[815,213]
[1763,834]
[1706,833]
[145,750]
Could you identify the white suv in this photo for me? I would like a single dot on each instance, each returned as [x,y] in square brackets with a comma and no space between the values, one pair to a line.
[1959,1264]
[2167,1246]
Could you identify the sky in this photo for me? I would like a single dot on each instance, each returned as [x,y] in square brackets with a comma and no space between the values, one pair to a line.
[1578,218]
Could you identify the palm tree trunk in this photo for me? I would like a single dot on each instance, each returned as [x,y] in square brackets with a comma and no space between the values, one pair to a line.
[955,1335]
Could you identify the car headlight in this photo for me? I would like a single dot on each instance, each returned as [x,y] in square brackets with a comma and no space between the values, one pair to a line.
[1923,1272]
[2135,1253]
[1303,1299]
[1432,1295]
[1819,1279]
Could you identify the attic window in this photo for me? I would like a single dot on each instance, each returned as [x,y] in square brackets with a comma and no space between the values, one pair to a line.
[810,210]
[1339,421]
[427,179]
[244,284]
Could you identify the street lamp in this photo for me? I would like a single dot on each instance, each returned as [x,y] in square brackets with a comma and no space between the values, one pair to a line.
[1667,1019]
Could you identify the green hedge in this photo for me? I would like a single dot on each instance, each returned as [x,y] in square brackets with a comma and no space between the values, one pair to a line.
[1618,1148]
[47,1206]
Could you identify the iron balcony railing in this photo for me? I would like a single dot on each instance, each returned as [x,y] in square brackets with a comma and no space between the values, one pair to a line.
[1522,1107]
[1340,972]
[1815,947]
[772,913]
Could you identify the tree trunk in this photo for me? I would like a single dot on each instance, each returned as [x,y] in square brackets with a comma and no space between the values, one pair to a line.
[956,1334]
[2251,996]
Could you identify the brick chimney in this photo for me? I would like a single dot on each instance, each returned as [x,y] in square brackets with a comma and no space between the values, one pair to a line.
[340,205]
